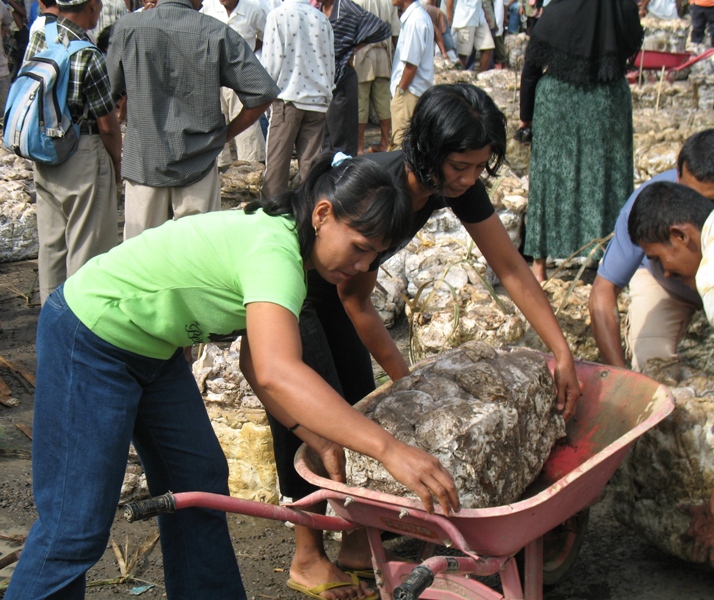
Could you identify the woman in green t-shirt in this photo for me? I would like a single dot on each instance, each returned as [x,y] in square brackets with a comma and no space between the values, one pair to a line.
[111,370]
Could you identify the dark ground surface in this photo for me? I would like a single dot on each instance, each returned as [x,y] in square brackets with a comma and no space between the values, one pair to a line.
[613,564]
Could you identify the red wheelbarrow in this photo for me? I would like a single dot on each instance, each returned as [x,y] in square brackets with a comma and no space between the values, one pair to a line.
[668,63]
[616,408]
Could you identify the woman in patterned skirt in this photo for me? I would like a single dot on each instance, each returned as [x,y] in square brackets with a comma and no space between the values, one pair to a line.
[575,96]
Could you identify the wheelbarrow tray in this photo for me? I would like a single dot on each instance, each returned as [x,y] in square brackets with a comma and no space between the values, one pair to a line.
[654,59]
[617,406]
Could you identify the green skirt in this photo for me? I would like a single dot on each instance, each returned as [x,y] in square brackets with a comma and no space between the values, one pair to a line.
[581,168]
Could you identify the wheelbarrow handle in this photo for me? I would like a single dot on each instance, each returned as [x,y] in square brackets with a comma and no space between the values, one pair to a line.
[414,585]
[141,510]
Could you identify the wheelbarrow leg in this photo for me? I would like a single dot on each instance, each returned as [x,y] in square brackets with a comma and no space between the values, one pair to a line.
[533,570]
[511,581]
[382,571]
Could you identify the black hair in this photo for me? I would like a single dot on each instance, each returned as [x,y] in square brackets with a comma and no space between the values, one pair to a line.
[452,118]
[660,206]
[49,3]
[698,154]
[104,38]
[363,195]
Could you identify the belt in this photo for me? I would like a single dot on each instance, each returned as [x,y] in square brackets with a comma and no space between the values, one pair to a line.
[88,129]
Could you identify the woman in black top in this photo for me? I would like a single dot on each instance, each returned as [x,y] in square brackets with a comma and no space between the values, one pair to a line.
[456,133]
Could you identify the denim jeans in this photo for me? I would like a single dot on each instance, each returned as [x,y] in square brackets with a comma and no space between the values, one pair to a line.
[91,400]
[514,18]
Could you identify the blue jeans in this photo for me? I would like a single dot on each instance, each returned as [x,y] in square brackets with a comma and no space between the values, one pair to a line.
[514,18]
[91,400]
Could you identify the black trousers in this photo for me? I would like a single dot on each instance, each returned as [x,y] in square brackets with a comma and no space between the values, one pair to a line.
[330,346]
[342,116]
[701,17]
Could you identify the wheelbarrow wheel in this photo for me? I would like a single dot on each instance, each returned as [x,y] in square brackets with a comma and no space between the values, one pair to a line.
[561,546]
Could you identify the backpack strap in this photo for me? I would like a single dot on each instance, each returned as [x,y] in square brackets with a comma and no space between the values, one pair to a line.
[72,47]
[52,38]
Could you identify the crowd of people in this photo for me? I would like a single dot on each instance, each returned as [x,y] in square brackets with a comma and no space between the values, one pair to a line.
[200,81]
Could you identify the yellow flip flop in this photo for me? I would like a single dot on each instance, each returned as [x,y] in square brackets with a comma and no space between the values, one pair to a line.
[314,592]
[361,573]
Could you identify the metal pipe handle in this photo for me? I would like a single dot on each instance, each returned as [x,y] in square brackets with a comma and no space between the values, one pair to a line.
[141,510]
[414,585]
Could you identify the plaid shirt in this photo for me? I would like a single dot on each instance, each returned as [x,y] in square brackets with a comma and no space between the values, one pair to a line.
[89,84]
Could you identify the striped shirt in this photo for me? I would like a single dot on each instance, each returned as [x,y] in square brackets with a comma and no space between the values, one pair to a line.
[352,27]
[88,84]
[171,62]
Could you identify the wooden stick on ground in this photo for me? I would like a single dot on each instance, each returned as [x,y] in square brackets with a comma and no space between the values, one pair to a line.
[6,397]
[8,559]
[25,429]
[20,369]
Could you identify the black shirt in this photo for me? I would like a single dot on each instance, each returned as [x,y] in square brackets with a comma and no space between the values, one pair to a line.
[473,206]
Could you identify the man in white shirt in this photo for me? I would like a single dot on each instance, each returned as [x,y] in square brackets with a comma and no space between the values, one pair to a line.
[298,53]
[247,18]
[413,65]
[471,30]
[659,9]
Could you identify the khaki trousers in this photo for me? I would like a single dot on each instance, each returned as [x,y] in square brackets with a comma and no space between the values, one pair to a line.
[250,144]
[402,108]
[146,207]
[290,127]
[656,320]
[76,212]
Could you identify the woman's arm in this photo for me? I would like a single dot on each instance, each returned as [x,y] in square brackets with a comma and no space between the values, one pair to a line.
[492,239]
[271,361]
[529,80]
[356,297]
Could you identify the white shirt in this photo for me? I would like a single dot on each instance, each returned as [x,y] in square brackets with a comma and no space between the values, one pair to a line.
[662,9]
[499,9]
[247,19]
[270,4]
[468,13]
[705,273]
[299,54]
[416,47]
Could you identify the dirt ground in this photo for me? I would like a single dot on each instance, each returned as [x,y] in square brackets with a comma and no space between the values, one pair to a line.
[613,564]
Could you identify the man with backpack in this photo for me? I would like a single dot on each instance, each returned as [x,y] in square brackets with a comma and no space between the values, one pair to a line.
[77,199]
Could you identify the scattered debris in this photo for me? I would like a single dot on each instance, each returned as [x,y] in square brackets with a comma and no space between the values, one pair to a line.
[127,563]
[6,397]
[25,429]
[9,559]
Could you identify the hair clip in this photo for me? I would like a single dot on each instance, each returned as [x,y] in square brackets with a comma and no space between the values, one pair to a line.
[339,158]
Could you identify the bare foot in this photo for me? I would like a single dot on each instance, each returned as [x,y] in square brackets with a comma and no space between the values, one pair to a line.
[355,553]
[538,269]
[379,148]
[323,571]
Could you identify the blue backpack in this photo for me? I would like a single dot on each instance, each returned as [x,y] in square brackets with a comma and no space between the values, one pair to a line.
[38,125]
